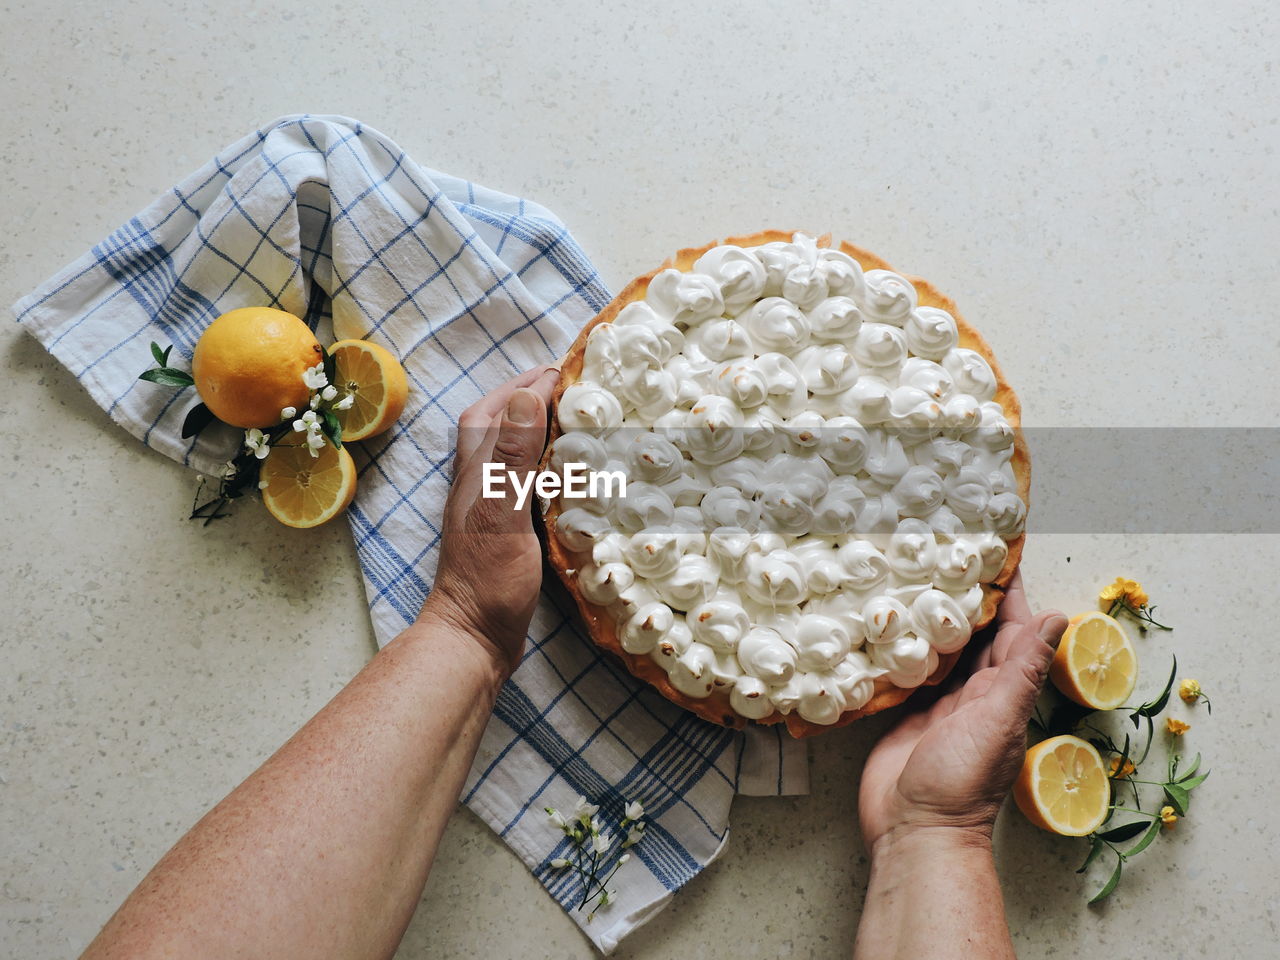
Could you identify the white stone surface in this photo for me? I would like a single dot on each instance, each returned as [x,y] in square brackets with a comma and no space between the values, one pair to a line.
[1094,184]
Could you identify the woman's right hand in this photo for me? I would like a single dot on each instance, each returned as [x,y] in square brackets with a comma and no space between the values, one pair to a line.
[950,764]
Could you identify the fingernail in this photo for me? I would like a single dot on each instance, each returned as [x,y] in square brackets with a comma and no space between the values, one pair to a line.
[523,407]
[1051,630]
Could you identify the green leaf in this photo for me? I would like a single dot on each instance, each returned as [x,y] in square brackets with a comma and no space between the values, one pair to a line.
[1111,884]
[167,376]
[1178,798]
[1190,771]
[1096,847]
[1125,832]
[160,355]
[1193,782]
[1152,707]
[1153,831]
[198,417]
[332,428]
[330,366]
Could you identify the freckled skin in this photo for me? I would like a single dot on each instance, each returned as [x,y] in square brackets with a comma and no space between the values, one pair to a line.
[325,849]
[930,793]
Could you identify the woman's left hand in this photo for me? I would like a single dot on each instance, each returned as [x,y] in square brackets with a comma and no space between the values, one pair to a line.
[490,568]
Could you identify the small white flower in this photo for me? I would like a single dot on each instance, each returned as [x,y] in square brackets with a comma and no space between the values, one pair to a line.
[607,897]
[262,484]
[314,451]
[288,413]
[256,440]
[229,469]
[314,377]
[556,817]
[315,400]
[299,426]
[584,811]
[315,440]
[634,836]
[345,403]
[328,393]
[601,842]
[310,416]
[595,825]
[559,863]
[624,858]
[634,811]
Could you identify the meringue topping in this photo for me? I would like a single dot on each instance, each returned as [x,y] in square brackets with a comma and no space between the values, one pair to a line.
[819,479]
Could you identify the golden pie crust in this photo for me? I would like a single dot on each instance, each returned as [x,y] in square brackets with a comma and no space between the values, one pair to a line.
[715,707]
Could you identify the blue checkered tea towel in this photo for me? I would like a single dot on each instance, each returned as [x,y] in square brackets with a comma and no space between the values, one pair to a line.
[330,220]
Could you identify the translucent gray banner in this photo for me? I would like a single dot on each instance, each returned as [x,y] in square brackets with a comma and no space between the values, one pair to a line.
[1154,480]
[1141,480]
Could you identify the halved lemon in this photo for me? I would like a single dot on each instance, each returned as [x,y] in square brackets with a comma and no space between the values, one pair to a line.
[1096,664]
[376,381]
[306,491]
[1063,787]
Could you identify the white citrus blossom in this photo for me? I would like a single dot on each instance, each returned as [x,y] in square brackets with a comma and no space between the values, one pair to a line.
[634,811]
[624,858]
[634,836]
[585,811]
[229,469]
[256,440]
[559,863]
[328,393]
[314,377]
[601,842]
[287,413]
[556,817]
[345,403]
[315,400]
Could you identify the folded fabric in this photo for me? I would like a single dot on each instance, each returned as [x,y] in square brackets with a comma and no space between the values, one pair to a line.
[328,219]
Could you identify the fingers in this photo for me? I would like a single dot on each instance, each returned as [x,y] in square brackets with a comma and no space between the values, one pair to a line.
[1014,607]
[475,421]
[1019,678]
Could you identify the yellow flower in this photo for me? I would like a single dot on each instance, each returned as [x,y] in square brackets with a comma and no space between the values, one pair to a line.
[1176,727]
[1128,769]
[1168,817]
[1189,690]
[1128,592]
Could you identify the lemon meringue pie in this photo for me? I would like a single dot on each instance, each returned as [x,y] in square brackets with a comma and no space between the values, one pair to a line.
[826,481]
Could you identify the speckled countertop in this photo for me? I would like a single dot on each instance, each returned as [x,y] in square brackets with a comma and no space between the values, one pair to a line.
[1095,186]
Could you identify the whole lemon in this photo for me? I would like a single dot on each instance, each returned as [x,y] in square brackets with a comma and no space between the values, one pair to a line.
[248,365]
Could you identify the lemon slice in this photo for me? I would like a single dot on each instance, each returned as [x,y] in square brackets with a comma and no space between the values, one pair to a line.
[306,491]
[375,380]
[1096,665]
[1063,787]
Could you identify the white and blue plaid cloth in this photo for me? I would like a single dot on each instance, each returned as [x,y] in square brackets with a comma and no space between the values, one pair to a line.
[330,220]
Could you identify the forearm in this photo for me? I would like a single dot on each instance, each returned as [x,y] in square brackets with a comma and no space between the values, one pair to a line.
[325,849]
[933,893]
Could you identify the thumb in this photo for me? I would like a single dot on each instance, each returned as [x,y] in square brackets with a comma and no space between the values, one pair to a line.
[522,431]
[1019,679]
